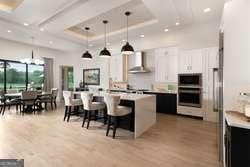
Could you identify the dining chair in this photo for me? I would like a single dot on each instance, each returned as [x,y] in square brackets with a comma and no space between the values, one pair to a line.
[49,98]
[28,101]
[2,102]
[114,111]
[69,103]
[89,106]
[54,92]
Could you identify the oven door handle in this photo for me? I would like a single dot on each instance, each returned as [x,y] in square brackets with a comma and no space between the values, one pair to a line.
[189,91]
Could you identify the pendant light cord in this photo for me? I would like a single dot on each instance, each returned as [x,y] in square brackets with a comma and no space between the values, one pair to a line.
[87,40]
[105,40]
[127,28]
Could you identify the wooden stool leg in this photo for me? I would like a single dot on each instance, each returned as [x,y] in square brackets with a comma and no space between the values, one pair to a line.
[65,113]
[108,127]
[84,118]
[69,113]
[89,117]
[115,126]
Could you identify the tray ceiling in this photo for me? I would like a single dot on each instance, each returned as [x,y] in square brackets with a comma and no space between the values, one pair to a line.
[9,5]
[117,20]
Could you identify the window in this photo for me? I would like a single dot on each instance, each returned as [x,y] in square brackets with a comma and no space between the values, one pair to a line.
[15,76]
[35,76]
[71,78]
[1,75]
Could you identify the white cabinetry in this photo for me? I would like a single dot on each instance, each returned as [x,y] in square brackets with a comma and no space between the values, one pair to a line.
[190,61]
[166,64]
[201,61]
[116,68]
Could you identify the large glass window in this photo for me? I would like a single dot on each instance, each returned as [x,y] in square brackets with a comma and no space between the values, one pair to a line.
[15,76]
[1,75]
[35,76]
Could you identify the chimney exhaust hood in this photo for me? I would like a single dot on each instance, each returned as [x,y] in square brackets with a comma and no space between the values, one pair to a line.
[139,64]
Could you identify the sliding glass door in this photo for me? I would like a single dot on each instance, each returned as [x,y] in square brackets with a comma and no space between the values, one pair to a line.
[15,76]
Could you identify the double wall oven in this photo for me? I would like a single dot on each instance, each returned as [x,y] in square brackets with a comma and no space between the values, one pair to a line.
[190,90]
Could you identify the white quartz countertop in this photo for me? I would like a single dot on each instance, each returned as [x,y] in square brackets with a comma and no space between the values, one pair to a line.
[124,96]
[237,119]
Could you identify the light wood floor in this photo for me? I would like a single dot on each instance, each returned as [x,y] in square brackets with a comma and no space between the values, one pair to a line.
[46,141]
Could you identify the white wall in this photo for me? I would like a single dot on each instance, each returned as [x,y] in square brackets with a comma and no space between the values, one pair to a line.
[192,36]
[10,50]
[237,51]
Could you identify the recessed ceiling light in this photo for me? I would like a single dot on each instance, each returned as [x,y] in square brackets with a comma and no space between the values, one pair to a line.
[108,43]
[207,10]
[50,42]
[9,31]
[124,40]
[177,23]
[41,29]
[166,30]
[142,36]
[90,45]
[26,24]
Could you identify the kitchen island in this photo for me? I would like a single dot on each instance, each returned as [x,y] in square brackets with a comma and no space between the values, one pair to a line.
[143,107]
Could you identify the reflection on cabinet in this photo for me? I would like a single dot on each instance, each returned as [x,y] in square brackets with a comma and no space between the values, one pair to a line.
[237,147]
[116,68]
[166,64]
[190,61]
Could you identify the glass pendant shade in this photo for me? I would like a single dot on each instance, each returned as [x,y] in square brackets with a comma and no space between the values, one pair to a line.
[105,52]
[87,55]
[127,49]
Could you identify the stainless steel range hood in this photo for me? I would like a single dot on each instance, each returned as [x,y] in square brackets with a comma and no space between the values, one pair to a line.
[139,64]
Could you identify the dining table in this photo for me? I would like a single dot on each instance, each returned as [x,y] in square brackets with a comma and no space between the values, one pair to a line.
[18,96]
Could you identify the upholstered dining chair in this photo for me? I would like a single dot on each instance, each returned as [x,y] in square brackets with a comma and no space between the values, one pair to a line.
[69,103]
[2,102]
[114,110]
[54,92]
[28,100]
[89,106]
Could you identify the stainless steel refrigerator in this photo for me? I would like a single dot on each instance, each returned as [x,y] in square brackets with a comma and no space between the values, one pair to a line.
[218,98]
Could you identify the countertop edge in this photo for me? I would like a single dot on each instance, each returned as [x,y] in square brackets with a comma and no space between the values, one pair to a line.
[235,120]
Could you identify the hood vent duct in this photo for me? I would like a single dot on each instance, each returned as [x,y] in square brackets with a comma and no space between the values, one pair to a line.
[139,64]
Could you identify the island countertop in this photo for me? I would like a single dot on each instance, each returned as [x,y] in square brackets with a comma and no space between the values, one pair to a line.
[144,109]
[124,96]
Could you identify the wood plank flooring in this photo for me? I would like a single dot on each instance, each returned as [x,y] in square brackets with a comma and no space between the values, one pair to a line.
[46,141]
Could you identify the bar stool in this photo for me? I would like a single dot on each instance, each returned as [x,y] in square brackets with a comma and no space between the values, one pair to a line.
[114,111]
[69,103]
[89,106]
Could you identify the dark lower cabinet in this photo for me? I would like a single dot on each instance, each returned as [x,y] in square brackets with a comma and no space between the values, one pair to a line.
[237,147]
[165,102]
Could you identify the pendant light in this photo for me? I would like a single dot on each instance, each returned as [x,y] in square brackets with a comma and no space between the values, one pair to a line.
[87,55]
[32,60]
[105,52]
[127,49]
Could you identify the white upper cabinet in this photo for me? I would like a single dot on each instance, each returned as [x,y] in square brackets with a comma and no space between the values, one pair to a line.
[166,64]
[116,68]
[190,61]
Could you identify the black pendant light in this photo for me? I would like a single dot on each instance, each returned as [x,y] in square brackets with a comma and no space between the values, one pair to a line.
[127,49]
[87,55]
[105,52]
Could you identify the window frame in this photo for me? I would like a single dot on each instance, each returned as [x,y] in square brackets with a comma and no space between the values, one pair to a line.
[26,72]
